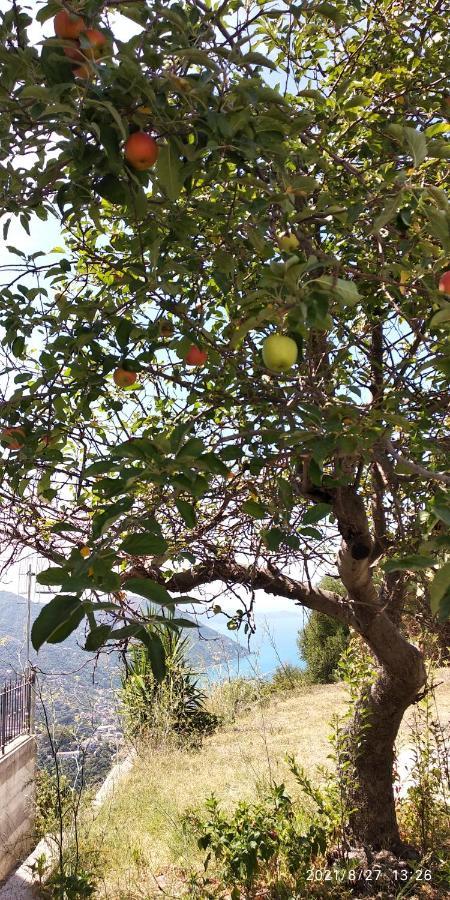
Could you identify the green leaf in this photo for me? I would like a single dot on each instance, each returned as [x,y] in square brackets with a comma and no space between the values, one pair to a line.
[442,513]
[439,590]
[388,213]
[57,620]
[151,590]
[156,653]
[258,59]
[52,576]
[417,143]
[198,57]
[113,189]
[441,318]
[316,513]
[413,563]
[192,447]
[254,509]
[273,537]
[169,172]
[187,512]
[97,637]
[144,543]
[345,290]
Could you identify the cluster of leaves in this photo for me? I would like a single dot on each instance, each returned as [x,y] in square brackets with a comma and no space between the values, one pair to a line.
[322,119]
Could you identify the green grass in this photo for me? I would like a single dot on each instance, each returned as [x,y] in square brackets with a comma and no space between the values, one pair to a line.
[137,839]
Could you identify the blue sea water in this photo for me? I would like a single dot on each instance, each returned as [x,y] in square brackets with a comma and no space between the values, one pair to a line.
[273,644]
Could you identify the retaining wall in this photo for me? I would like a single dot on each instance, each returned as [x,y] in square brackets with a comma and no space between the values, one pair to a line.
[17,771]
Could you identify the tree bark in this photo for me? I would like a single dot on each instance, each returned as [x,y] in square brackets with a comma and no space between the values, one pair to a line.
[370,741]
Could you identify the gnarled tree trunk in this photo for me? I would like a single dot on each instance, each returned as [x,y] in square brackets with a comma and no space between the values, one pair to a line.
[370,740]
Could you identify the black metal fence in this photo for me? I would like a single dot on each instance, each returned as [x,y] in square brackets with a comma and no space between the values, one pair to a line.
[16,708]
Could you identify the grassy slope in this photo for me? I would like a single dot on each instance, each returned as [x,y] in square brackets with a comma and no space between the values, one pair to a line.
[137,834]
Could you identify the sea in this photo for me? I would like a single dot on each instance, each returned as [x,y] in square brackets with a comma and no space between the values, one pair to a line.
[273,645]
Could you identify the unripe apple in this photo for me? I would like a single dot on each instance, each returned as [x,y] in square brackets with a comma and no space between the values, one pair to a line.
[287,241]
[123,378]
[279,353]
[444,283]
[68,26]
[13,437]
[141,151]
[195,356]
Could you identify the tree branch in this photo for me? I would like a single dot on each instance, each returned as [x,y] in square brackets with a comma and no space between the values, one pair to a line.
[269,580]
[415,468]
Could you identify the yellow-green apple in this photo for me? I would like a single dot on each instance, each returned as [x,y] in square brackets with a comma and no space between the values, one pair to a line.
[279,353]
[287,241]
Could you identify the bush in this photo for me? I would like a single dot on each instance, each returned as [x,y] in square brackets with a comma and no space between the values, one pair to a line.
[287,677]
[321,645]
[323,640]
[229,699]
[270,844]
[47,808]
[176,705]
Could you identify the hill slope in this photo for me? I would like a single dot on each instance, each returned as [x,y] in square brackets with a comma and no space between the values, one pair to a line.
[139,830]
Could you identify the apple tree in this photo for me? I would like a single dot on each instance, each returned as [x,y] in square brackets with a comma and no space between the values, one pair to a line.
[233,368]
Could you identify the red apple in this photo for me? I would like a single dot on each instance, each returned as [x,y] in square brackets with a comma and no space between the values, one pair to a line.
[74,52]
[83,71]
[195,356]
[97,41]
[444,283]
[141,151]
[123,378]
[68,26]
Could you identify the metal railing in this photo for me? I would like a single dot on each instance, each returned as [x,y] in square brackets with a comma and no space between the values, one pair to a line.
[16,708]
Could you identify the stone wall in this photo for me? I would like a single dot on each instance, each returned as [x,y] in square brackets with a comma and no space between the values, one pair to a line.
[17,770]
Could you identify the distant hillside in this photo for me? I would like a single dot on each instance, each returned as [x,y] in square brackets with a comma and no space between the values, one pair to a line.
[208,647]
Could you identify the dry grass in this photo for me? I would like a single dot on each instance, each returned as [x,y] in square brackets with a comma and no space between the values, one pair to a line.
[137,834]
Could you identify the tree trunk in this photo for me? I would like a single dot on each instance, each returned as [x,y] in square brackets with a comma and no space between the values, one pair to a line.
[370,740]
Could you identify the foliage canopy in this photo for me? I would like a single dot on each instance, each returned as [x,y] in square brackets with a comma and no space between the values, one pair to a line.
[326,120]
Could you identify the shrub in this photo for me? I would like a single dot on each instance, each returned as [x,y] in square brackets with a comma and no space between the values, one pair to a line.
[286,678]
[269,844]
[322,642]
[232,697]
[175,705]
[48,808]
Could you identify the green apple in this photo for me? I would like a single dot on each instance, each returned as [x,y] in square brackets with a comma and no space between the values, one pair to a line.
[287,241]
[279,353]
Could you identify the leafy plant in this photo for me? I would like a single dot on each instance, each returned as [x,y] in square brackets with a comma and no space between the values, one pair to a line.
[174,705]
[321,643]
[269,843]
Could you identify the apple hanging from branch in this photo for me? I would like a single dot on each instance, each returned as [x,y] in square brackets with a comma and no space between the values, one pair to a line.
[279,353]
